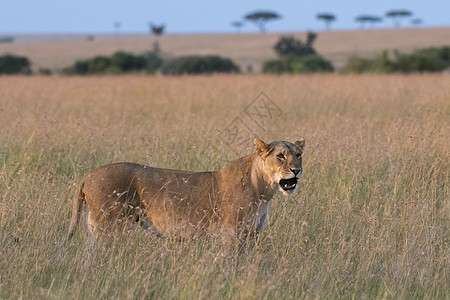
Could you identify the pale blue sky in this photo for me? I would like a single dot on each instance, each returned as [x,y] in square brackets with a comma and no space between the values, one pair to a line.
[200,16]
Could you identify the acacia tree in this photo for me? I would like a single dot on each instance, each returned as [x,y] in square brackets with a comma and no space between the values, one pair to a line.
[367,19]
[260,18]
[117,26]
[397,15]
[416,22]
[238,25]
[288,45]
[327,18]
[157,30]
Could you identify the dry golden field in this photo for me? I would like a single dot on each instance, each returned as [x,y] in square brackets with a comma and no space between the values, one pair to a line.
[371,219]
[245,49]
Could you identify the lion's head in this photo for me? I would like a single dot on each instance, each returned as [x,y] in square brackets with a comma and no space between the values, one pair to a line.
[282,163]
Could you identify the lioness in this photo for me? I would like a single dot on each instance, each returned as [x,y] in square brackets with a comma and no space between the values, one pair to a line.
[233,201]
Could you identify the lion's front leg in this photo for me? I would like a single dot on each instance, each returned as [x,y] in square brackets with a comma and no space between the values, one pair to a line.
[243,238]
[148,226]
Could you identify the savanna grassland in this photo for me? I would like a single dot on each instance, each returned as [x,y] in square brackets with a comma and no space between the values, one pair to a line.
[246,49]
[371,219]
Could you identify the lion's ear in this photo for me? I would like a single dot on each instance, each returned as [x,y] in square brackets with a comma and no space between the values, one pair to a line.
[260,146]
[301,144]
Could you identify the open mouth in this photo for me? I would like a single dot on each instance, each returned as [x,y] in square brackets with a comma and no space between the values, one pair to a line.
[288,184]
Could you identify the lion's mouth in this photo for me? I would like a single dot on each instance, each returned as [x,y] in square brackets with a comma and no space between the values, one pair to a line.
[288,184]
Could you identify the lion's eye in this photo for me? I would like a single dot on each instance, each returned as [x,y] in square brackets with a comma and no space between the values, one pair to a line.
[281,156]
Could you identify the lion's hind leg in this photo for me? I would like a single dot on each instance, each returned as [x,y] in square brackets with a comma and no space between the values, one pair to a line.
[78,201]
[91,224]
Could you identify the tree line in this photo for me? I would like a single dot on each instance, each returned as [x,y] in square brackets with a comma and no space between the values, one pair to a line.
[127,63]
[293,56]
[261,18]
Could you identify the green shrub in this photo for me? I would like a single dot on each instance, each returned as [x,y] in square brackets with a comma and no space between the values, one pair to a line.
[12,64]
[298,64]
[277,66]
[45,71]
[379,64]
[99,64]
[423,60]
[311,64]
[357,65]
[120,62]
[153,61]
[200,65]
[127,62]
[296,57]
[80,67]
[288,45]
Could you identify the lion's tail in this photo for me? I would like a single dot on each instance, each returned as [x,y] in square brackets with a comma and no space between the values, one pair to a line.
[78,201]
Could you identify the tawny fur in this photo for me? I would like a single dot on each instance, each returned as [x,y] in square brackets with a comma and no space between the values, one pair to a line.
[233,201]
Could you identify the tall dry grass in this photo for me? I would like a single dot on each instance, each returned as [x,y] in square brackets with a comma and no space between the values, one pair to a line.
[371,220]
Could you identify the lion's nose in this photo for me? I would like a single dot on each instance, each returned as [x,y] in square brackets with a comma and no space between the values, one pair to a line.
[295,171]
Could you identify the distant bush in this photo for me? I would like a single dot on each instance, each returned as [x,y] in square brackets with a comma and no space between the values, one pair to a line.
[12,64]
[423,60]
[277,66]
[200,65]
[80,67]
[357,65]
[100,64]
[120,62]
[45,71]
[296,57]
[298,64]
[153,61]
[6,39]
[378,64]
[311,64]
[288,45]
[150,62]
[127,62]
